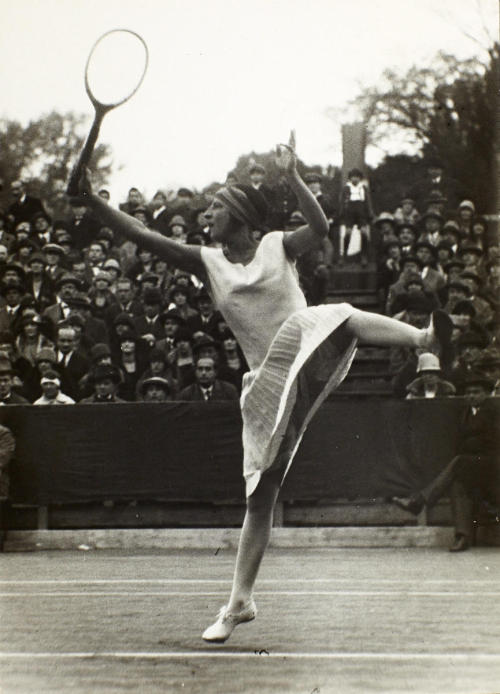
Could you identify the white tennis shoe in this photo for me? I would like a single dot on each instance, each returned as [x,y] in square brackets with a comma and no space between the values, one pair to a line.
[222,629]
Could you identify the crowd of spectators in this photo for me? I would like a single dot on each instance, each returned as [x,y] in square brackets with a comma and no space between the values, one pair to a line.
[88,317]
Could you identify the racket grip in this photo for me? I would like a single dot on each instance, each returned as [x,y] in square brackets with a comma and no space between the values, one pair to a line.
[85,156]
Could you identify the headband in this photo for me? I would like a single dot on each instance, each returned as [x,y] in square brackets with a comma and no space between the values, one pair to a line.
[240,206]
[56,381]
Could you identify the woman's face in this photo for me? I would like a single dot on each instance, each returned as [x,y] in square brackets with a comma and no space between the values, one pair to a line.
[180,299]
[229,344]
[31,330]
[219,220]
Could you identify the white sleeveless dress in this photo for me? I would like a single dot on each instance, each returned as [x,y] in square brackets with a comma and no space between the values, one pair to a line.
[297,354]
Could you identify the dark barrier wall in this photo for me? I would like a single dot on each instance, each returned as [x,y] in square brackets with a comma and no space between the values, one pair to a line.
[192,451]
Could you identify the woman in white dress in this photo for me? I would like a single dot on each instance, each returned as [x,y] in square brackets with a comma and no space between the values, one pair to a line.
[297,354]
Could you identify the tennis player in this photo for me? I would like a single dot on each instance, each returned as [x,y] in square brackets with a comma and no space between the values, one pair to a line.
[297,354]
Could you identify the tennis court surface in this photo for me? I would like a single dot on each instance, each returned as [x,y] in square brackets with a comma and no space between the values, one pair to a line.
[330,621]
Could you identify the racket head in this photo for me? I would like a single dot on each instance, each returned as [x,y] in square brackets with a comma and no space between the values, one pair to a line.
[115,68]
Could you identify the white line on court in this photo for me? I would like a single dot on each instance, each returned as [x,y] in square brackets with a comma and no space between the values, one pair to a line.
[227,581]
[184,593]
[165,655]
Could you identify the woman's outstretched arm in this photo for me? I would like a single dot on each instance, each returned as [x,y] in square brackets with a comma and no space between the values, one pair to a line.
[185,257]
[308,237]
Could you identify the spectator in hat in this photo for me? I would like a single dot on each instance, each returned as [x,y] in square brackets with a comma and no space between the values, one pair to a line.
[134,200]
[180,358]
[21,252]
[99,354]
[54,262]
[94,329]
[142,214]
[470,474]
[452,233]
[414,287]
[436,202]
[72,363]
[126,301]
[407,236]
[38,284]
[31,338]
[444,254]
[132,363]
[179,299]
[66,287]
[23,206]
[232,359]
[184,204]
[95,255]
[142,264]
[205,319]
[113,268]
[178,229]
[7,395]
[471,256]
[434,181]
[429,383]
[469,347]
[100,295]
[466,213]
[453,269]
[433,280]
[155,389]
[456,291]
[83,274]
[384,227]
[160,214]
[208,387]
[257,174]
[488,365]
[45,360]
[150,326]
[431,226]
[410,265]
[314,182]
[355,209]
[83,227]
[11,291]
[158,367]
[105,380]
[41,223]
[122,323]
[50,383]
[479,232]
[407,212]
[484,310]
[464,321]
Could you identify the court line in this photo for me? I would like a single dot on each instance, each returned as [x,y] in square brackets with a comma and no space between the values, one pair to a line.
[184,593]
[227,581]
[263,653]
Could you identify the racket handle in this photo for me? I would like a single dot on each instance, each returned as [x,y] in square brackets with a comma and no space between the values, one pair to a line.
[85,156]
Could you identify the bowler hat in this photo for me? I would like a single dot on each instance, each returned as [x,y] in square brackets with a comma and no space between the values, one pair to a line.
[257,168]
[385,217]
[312,177]
[68,278]
[456,284]
[173,314]
[464,307]
[411,259]
[454,262]
[46,354]
[470,247]
[102,372]
[467,204]
[37,257]
[54,248]
[99,350]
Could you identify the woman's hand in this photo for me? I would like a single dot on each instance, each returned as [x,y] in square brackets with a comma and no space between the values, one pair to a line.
[286,159]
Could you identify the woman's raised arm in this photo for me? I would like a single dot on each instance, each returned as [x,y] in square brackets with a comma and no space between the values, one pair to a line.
[185,257]
[308,237]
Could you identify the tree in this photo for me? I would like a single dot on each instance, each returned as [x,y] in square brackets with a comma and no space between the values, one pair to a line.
[447,110]
[43,153]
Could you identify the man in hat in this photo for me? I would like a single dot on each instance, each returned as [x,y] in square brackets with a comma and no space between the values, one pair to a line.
[7,395]
[426,253]
[470,474]
[470,346]
[150,326]
[155,389]
[428,383]
[126,301]
[410,266]
[451,232]
[207,386]
[50,383]
[466,212]
[406,213]
[54,261]
[94,329]
[435,181]
[206,320]
[471,255]
[407,236]
[83,227]
[484,310]
[431,225]
[257,175]
[66,287]
[10,314]
[134,200]
[23,206]
[105,379]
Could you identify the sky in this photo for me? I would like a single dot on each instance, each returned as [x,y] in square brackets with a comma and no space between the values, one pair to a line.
[225,77]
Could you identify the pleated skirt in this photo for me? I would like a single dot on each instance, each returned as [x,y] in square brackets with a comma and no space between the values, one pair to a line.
[309,357]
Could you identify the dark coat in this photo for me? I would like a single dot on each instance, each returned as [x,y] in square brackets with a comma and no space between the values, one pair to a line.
[24,211]
[221,391]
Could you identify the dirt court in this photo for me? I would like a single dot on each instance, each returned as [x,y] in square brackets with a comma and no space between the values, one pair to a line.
[335,621]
